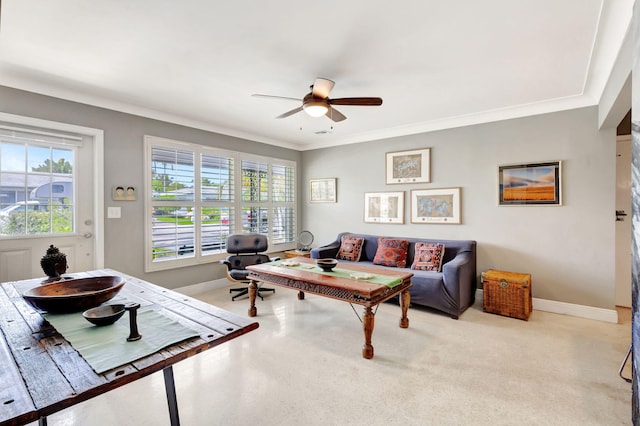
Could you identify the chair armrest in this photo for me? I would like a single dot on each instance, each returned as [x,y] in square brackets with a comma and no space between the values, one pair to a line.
[330,250]
[459,278]
[225,262]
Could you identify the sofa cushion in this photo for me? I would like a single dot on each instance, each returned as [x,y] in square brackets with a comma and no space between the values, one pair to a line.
[350,248]
[428,257]
[391,252]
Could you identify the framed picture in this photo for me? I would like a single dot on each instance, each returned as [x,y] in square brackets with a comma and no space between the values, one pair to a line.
[435,205]
[530,184]
[409,166]
[322,190]
[384,207]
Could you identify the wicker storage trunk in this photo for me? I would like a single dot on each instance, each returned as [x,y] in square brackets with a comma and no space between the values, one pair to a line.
[507,293]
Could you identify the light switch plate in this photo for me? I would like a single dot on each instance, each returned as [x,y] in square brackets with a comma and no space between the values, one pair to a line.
[113,212]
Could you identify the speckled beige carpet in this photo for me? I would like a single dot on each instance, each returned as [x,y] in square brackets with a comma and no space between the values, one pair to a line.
[303,366]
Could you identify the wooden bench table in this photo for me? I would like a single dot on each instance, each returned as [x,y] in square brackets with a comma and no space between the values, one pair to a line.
[41,373]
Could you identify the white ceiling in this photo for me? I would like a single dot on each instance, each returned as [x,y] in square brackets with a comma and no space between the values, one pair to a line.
[436,64]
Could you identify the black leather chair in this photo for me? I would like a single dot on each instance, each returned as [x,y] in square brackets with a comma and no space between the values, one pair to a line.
[245,250]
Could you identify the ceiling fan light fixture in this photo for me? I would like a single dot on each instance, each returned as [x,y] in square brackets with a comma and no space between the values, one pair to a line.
[317,102]
[315,108]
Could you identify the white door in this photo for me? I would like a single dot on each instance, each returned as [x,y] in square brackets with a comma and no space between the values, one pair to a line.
[57,212]
[623,221]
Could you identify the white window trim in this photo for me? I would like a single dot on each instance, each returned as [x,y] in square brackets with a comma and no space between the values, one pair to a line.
[154,141]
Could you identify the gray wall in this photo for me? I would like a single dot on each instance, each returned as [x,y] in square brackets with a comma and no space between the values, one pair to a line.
[123,164]
[569,250]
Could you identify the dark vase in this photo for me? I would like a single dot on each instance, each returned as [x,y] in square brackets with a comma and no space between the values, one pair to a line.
[54,263]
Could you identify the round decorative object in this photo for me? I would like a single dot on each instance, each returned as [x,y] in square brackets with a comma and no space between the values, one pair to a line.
[326,264]
[104,315]
[54,263]
[74,295]
[305,239]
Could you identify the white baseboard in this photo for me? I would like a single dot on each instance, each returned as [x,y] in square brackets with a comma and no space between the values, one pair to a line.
[194,289]
[581,311]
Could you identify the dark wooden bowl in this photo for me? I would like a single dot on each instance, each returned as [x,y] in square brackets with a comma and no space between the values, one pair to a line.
[73,295]
[104,315]
[326,264]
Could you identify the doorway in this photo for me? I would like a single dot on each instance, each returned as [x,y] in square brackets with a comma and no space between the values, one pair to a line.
[64,210]
[623,221]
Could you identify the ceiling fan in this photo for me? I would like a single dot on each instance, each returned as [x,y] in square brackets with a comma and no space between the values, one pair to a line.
[317,103]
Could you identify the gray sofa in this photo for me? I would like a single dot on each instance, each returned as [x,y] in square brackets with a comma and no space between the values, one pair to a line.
[451,291]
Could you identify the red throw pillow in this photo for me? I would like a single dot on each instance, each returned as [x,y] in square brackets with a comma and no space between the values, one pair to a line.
[428,257]
[391,252]
[350,248]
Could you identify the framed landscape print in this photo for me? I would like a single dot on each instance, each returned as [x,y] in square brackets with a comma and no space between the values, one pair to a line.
[435,206]
[322,190]
[408,166]
[530,184]
[384,207]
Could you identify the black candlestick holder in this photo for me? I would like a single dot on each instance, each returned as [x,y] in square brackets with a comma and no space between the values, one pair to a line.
[133,322]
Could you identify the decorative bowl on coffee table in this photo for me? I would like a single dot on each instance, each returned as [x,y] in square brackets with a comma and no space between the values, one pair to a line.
[326,264]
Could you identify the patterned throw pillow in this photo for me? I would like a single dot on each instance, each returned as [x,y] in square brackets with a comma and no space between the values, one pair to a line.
[391,252]
[428,257]
[350,248]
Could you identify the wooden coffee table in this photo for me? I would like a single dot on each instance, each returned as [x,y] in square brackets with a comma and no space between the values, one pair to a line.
[359,292]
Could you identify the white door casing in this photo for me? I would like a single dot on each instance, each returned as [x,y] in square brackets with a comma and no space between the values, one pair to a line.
[623,221]
[20,257]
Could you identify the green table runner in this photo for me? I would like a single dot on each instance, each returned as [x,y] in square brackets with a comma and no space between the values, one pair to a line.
[343,273]
[106,347]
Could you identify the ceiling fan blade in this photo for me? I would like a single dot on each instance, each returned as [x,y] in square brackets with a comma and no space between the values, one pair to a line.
[257,95]
[322,87]
[288,113]
[356,101]
[335,115]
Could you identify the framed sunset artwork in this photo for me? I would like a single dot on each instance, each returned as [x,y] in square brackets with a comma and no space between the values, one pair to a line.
[530,184]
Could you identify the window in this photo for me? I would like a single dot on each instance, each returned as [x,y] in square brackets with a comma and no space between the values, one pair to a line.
[284,215]
[199,195]
[36,183]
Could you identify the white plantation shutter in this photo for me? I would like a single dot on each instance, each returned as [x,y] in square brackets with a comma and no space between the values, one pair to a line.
[198,196]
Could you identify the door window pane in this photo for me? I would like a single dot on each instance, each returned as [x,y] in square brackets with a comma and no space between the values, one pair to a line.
[39,159]
[36,188]
[12,157]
